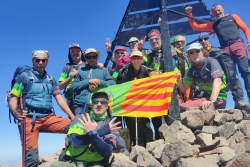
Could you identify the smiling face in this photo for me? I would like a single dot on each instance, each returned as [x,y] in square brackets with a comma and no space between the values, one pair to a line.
[99,106]
[218,12]
[155,42]
[91,58]
[180,42]
[136,62]
[75,54]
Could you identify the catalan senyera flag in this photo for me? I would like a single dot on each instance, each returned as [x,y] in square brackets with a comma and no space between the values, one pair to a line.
[147,97]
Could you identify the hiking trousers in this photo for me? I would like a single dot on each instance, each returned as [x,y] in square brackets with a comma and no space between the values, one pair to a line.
[196,102]
[49,124]
[238,54]
[231,76]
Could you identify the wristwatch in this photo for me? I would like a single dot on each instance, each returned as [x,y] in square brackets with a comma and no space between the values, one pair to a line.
[213,101]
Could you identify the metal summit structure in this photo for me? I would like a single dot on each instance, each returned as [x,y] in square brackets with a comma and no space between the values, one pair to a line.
[141,16]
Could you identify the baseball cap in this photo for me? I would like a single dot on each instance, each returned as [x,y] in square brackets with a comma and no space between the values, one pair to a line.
[132,39]
[136,53]
[195,46]
[92,50]
[40,54]
[120,48]
[100,94]
[203,35]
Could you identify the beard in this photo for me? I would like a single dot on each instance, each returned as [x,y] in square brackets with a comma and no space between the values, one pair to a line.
[219,17]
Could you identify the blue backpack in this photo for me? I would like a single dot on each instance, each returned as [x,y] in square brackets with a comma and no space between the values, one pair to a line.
[18,72]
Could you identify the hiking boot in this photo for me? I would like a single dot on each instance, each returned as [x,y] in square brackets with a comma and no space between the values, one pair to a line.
[241,105]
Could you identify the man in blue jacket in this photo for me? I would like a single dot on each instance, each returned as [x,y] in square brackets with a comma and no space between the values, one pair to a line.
[88,79]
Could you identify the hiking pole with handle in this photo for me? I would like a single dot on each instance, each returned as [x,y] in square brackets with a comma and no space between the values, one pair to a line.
[23,130]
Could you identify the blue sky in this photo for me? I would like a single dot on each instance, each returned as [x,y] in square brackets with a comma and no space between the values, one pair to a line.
[53,25]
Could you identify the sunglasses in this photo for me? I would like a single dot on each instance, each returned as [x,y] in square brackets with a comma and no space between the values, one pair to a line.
[43,60]
[133,43]
[136,58]
[95,101]
[180,41]
[152,39]
[91,57]
[75,50]
[120,53]
[196,51]
[201,39]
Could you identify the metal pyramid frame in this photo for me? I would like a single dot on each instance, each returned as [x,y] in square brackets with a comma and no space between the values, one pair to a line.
[141,16]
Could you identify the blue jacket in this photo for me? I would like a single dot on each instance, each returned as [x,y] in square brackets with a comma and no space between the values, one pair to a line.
[80,85]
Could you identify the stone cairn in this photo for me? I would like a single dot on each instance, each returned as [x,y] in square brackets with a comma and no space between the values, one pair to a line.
[203,138]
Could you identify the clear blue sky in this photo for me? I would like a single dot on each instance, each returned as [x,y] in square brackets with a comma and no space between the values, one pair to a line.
[53,25]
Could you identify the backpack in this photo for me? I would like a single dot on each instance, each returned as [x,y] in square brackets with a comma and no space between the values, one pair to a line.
[20,70]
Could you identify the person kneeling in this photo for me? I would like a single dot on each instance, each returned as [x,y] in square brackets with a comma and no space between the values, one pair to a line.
[93,136]
[207,74]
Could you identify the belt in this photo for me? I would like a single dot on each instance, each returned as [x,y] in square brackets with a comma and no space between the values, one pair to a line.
[230,42]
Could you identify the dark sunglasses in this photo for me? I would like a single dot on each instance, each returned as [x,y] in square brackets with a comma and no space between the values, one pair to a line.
[91,57]
[196,51]
[119,53]
[136,58]
[133,43]
[152,39]
[95,101]
[43,60]
[201,39]
[180,41]
[75,50]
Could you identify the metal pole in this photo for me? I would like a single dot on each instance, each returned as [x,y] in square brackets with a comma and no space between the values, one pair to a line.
[136,131]
[174,109]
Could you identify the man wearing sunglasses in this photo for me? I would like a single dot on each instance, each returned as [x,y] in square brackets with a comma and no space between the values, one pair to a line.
[88,79]
[38,113]
[76,61]
[229,68]
[93,136]
[154,60]
[182,64]
[132,71]
[207,74]
[227,28]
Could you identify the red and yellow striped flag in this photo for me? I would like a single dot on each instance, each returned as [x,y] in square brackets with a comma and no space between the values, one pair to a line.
[147,97]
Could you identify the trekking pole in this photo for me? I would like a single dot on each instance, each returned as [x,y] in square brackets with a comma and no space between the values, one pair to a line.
[23,132]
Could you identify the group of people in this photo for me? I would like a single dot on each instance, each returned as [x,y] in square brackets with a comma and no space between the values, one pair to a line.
[206,74]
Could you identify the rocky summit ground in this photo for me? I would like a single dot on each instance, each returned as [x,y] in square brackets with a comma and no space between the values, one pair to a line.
[203,138]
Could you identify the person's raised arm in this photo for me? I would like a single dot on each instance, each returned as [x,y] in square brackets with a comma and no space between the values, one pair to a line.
[194,25]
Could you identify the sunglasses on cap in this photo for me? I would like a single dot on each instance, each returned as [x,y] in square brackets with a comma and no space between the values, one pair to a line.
[43,60]
[95,101]
[136,58]
[75,50]
[152,39]
[91,57]
[195,51]
[201,39]
[133,42]
[119,53]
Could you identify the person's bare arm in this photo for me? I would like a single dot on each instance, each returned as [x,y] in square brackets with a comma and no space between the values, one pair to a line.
[64,106]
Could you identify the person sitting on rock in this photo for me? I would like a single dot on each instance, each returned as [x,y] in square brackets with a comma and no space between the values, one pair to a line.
[207,74]
[93,136]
